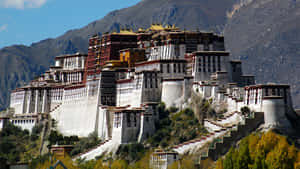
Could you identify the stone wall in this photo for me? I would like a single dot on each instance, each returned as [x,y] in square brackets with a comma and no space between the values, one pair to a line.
[221,148]
[172,92]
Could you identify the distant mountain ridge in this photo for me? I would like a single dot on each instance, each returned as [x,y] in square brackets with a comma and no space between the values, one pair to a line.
[22,63]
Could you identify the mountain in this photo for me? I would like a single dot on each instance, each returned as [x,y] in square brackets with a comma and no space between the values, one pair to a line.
[22,63]
[233,17]
[265,35]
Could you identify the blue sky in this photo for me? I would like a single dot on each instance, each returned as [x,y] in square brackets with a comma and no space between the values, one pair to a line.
[29,21]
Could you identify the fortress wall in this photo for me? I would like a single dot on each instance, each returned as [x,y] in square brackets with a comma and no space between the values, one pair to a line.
[211,127]
[124,93]
[188,82]
[78,117]
[56,95]
[221,97]
[232,106]
[78,112]
[256,107]
[274,112]
[102,127]
[18,107]
[124,97]
[150,67]
[234,119]
[17,100]
[117,127]
[240,104]
[214,92]
[206,90]
[138,89]
[172,91]
[136,97]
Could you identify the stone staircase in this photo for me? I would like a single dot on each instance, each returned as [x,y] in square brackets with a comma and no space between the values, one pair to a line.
[98,150]
[46,131]
[219,146]
[224,133]
[216,129]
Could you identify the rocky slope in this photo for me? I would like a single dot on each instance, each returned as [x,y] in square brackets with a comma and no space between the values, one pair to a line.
[265,35]
[246,30]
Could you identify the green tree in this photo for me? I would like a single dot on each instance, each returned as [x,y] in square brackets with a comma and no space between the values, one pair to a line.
[243,158]
[230,159]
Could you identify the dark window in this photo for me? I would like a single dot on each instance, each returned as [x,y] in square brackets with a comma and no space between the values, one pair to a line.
[146,81]
[168,68]
[273,92]
[219,63]
[214,64]
[285,95]
[128,120]
[204,64]
[134,119]
[174,67]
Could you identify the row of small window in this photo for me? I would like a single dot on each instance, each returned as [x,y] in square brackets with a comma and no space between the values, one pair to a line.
[23,121]
[108,100]
[177,68]
[150,85]
[209,58]
[203,69]
[128,117]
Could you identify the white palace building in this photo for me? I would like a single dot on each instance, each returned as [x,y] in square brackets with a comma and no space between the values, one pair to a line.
[114,90]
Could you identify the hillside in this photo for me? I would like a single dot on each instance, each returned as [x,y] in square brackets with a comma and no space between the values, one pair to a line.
[264,33]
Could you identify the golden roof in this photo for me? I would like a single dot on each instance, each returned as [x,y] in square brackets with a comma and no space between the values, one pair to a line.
[125,32]
[157,27]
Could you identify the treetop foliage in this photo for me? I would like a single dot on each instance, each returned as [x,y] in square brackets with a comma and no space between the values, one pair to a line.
[262,151]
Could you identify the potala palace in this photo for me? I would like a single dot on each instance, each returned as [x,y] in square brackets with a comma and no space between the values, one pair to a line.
[114,90]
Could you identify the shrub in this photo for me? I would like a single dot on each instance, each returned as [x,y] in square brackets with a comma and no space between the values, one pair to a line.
[245,110]
[131,152]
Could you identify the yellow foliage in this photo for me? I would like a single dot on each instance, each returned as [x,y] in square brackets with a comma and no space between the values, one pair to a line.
[100,165]
[219,164]
[269,141]
[174,165]
[207,163]
[143,163]
[270,150]
[185,163]
[253,140]
[119,164]
[297,161]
